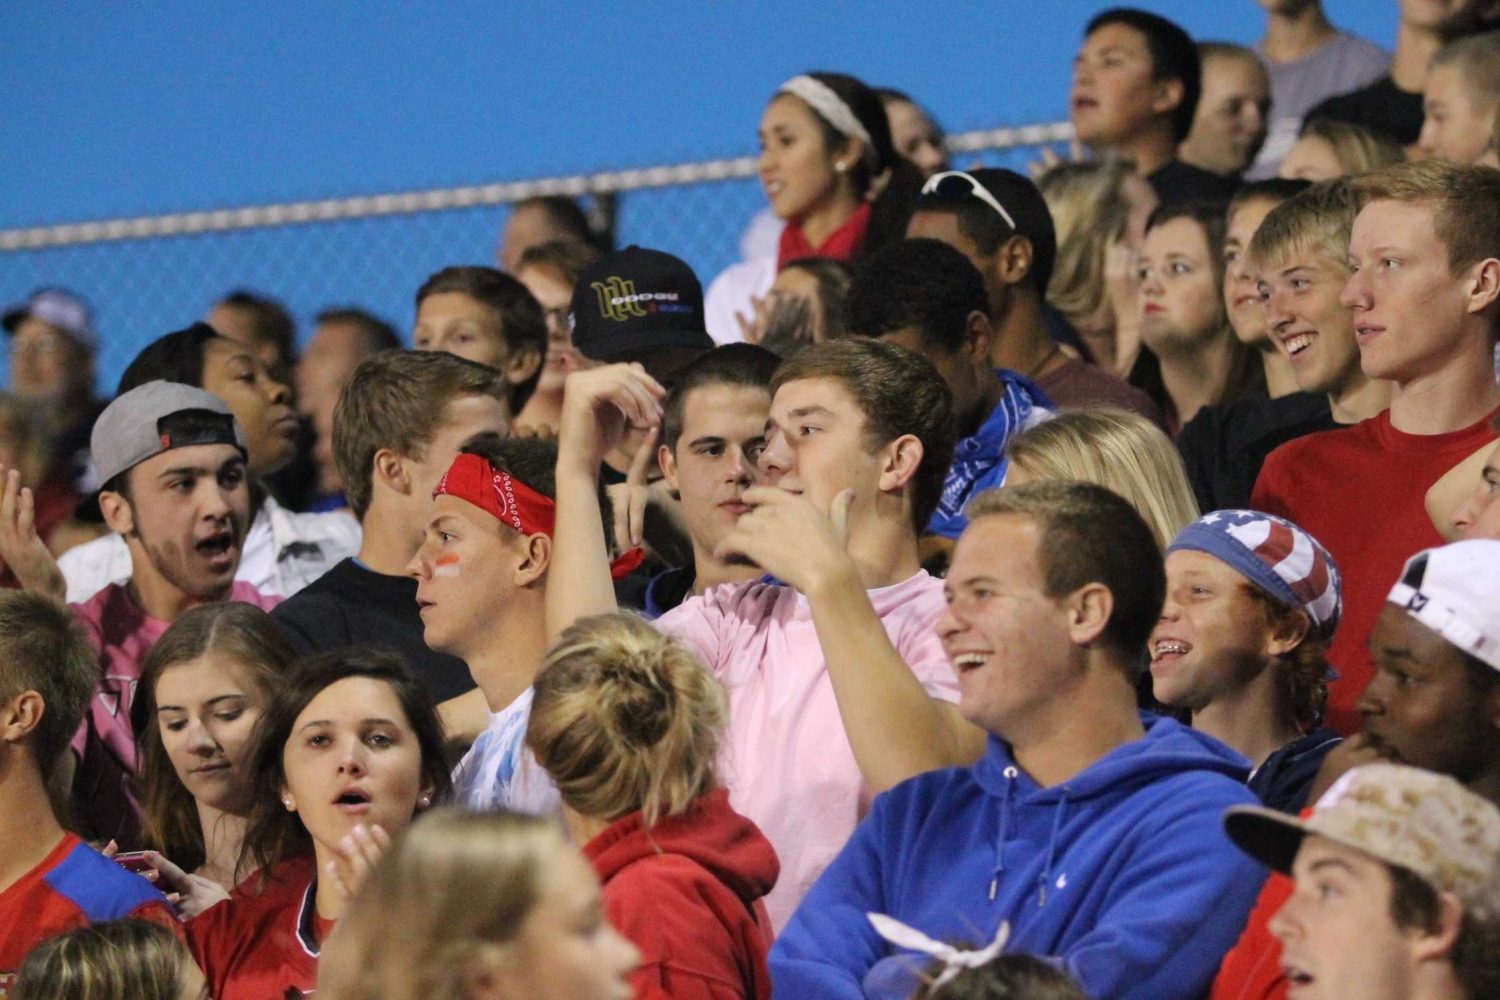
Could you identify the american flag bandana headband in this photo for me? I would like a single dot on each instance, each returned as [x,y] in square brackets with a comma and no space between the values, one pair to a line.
[474,480]
[1275,555]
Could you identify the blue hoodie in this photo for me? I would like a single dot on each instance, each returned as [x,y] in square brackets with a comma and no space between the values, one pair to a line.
[1122,875]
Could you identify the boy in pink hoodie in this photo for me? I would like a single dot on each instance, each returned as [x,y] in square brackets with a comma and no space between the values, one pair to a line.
[837,684]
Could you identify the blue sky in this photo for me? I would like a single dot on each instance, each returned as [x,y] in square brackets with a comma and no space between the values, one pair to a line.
[116,109]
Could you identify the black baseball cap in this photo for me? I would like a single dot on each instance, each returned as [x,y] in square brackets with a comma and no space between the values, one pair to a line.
[636,302]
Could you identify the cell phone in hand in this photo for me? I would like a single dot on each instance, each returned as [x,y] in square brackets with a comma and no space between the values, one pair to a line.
[136,861]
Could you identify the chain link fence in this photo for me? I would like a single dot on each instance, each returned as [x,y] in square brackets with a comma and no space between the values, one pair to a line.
[145,276]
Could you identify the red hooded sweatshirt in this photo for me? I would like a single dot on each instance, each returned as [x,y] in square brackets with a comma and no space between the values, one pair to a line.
[687,893]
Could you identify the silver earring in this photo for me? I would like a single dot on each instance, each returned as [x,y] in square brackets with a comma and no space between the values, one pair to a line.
[424,801]
[841,167]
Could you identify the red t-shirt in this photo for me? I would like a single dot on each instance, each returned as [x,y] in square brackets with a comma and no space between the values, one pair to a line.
[1252,969]
[73,886]
[1360,490]
[259,944]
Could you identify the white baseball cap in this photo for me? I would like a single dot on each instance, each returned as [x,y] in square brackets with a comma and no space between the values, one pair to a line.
[1454,590]
[57,308]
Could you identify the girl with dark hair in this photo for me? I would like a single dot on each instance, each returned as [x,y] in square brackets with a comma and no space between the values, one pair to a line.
[914,134]
[203,687]
[831,172]
[347,752]
[1252,603]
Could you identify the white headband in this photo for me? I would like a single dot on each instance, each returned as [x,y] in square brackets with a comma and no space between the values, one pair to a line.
[822,99]
[954,961]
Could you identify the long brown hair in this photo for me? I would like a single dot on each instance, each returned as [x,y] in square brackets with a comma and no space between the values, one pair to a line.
[274,834]
[241,631]
[1246,377]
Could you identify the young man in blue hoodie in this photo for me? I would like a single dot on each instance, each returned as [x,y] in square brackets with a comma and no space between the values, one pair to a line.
[1091,828]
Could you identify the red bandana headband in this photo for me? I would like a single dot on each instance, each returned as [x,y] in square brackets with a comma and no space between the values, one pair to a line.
[473,480]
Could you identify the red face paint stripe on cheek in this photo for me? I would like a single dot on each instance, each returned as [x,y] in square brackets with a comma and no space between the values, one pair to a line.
[451,559]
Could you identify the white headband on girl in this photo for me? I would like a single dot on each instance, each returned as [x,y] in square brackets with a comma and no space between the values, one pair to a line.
[822,99]
[954,960]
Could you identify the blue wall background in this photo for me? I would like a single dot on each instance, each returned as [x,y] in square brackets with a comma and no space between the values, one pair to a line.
[114,110]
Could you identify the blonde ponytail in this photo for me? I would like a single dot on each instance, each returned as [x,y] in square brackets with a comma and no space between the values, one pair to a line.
[625,719]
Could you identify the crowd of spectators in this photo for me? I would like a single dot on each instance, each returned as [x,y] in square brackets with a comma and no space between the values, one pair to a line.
[1076,585]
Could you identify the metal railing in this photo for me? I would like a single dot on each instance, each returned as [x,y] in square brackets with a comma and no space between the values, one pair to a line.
[150,274]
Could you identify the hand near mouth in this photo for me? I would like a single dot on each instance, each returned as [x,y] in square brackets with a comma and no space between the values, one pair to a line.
[789,538]
[599,406]
[1361,748]
[356,854]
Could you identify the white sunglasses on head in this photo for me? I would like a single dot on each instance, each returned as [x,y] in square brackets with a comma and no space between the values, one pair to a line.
[955,185]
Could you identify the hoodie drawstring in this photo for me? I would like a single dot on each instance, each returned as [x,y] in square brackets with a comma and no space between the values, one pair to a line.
[1010,788]
[1057,820]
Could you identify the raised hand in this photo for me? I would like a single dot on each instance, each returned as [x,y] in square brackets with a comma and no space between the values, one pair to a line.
[631,498]
[748,322]
[357,853]
[598,403]
[789,326]
[20,546]
[1357,750]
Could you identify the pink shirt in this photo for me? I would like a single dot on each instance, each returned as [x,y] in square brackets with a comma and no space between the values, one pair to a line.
[787,762]
[123,634]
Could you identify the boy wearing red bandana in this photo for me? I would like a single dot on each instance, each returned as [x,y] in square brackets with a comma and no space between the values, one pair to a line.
[481,576]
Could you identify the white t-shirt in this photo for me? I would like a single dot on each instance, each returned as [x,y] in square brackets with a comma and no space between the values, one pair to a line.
[499,772]
[730,293]
[283,552]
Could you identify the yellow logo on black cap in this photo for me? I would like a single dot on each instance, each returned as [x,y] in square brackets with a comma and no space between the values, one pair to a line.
[617,299]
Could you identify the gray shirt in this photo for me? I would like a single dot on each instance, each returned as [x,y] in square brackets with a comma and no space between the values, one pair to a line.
[1342,64]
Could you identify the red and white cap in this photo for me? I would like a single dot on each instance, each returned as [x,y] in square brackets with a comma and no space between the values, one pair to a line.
[1275,555]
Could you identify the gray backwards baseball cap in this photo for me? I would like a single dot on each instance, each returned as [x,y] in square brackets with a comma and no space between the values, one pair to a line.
[129,430]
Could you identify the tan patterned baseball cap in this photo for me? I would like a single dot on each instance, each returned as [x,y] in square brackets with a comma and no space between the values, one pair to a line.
[1427,823]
